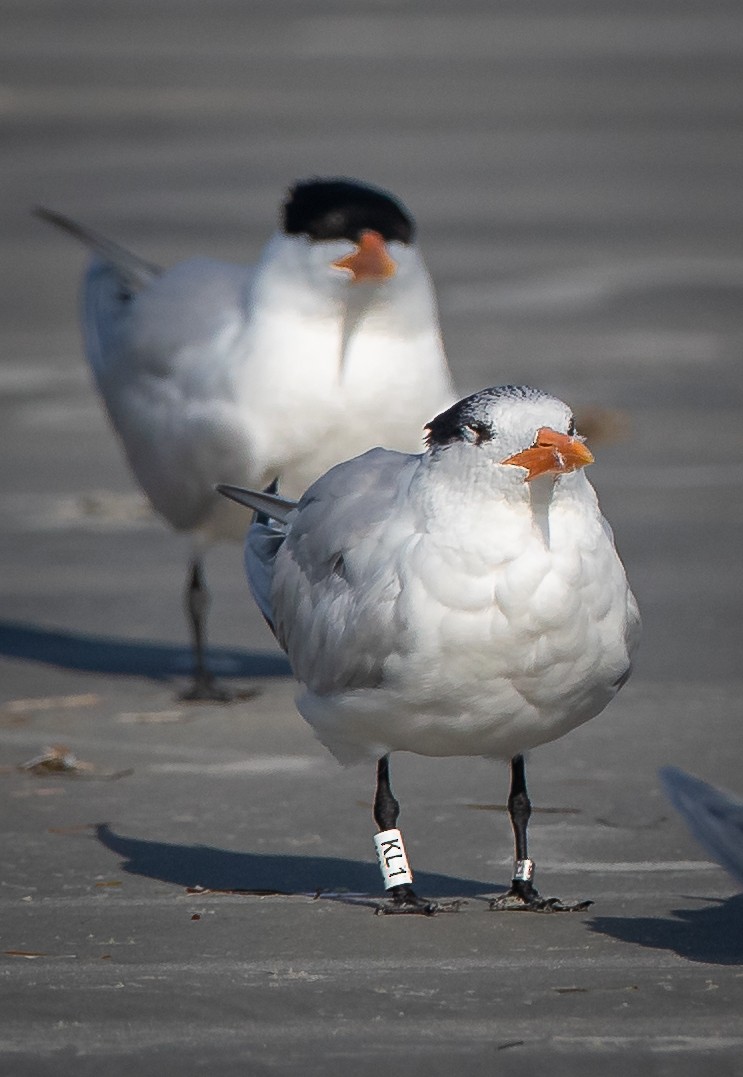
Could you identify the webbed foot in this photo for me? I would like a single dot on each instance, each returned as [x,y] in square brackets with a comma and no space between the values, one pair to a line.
[524,897]
[403,901]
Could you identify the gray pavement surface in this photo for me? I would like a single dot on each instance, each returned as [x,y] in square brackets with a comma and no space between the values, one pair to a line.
[575,169]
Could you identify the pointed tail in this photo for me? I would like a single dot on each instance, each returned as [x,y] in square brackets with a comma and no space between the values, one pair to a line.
[134,271]
[267,504]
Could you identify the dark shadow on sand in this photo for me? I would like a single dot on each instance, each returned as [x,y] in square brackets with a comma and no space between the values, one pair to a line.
[124,657]
[220,869]
[713,934]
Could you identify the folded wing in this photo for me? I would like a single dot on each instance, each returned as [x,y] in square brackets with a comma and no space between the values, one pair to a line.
[327,580]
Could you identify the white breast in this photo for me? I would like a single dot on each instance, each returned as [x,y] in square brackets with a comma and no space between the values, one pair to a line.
[507,637]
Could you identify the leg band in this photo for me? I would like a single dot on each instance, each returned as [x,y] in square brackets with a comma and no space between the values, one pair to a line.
[523,871]
[393,863]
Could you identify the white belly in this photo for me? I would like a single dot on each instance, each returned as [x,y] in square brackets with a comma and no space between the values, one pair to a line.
[491,663]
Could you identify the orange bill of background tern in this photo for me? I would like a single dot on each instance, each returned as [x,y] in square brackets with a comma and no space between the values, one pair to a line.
[213,372]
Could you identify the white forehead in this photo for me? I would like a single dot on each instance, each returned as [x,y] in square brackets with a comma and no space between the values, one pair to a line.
[520,418]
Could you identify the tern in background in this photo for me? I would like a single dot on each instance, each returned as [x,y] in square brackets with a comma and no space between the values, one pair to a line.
[212,372]
[714,817]
[465,601]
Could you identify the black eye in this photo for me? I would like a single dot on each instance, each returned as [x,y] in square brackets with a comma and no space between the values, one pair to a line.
[571,427]
[480,431]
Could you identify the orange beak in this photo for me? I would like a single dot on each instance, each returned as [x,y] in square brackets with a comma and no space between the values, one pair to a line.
[370,260]
[552,453]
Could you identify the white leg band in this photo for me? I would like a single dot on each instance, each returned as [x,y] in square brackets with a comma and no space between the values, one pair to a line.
[393,863]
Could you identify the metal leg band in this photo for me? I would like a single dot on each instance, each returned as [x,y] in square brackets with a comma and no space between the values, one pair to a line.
[523,871]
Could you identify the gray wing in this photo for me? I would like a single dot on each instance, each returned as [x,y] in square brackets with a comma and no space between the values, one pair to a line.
[166,361]
[163,328]
[262,545]
[164,347]
[334,575]
[114,277]
[152,315]
[714,817]
[264,539]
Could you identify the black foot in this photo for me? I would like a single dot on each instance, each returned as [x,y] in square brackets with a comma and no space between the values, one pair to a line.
[405,902]
[206,690]
[523,897]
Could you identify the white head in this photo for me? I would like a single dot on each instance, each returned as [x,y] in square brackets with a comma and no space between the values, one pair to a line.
[514,425]
[347,241]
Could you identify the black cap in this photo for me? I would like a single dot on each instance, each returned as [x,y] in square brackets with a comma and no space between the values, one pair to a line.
[343,209]
[470,419]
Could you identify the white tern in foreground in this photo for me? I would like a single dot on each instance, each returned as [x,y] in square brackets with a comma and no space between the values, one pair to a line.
[465,601]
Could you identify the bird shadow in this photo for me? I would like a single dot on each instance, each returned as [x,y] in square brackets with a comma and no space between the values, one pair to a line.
[142,658]
[204,866]
[712,935]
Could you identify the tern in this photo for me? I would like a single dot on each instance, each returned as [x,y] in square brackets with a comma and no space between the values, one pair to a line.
[713,816]
[464,601]
[213,372]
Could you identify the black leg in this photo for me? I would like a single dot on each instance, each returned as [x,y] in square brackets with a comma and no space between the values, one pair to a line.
[403,899]
[523,894]
[204,687]
[386,806]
